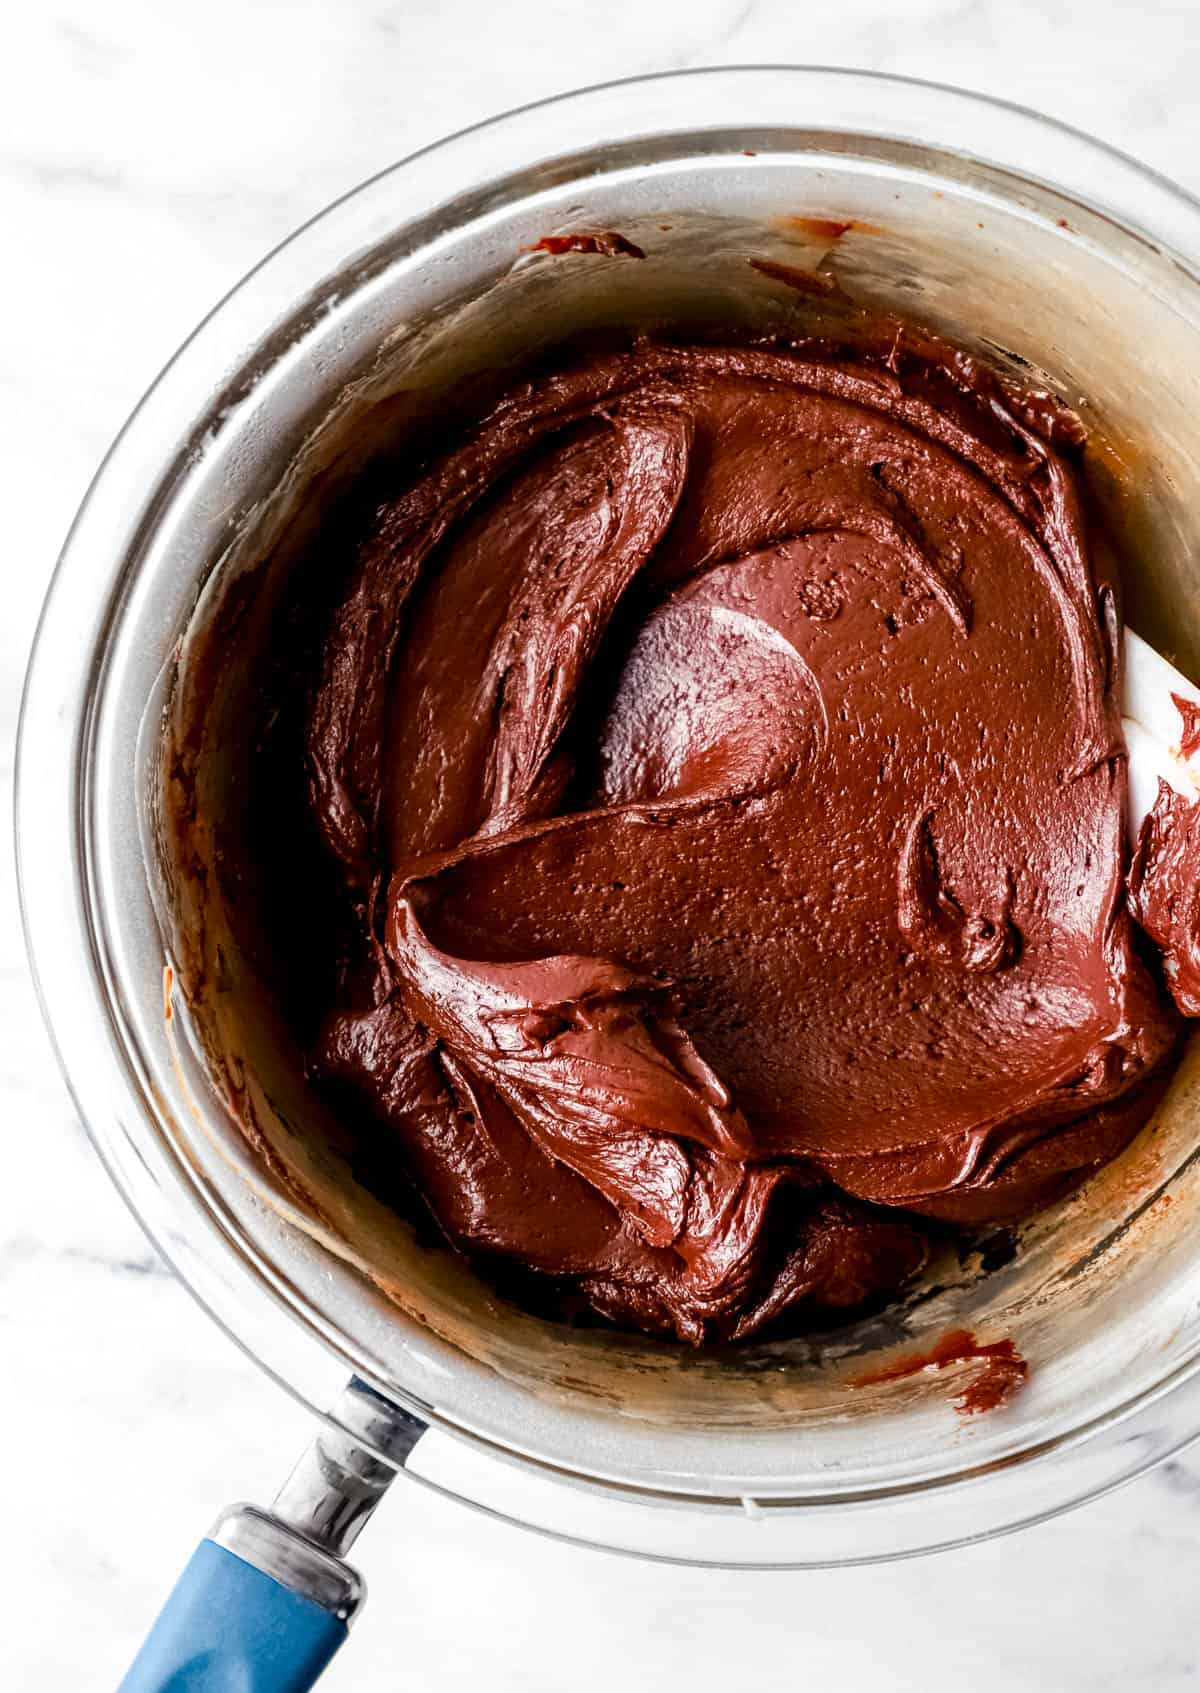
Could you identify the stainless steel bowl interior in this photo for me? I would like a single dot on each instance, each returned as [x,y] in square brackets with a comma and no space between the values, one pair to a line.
[419,294]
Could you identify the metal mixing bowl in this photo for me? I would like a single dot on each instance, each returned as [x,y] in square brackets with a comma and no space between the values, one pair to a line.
[1015,235]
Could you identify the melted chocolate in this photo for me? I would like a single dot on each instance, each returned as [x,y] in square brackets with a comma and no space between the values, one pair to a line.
[608,242]
[1004,1370]
[722,754]
[1189,739]
[1164,891]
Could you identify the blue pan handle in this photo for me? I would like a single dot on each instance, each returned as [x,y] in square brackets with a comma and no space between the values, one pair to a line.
[229,1627]
[267,1598]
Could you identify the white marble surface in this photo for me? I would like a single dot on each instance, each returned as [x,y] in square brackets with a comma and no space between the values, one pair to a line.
[149,152]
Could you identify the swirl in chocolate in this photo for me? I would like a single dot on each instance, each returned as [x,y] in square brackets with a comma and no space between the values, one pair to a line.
[722,750]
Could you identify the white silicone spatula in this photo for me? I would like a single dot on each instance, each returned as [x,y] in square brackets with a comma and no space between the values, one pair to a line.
[1154,728]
